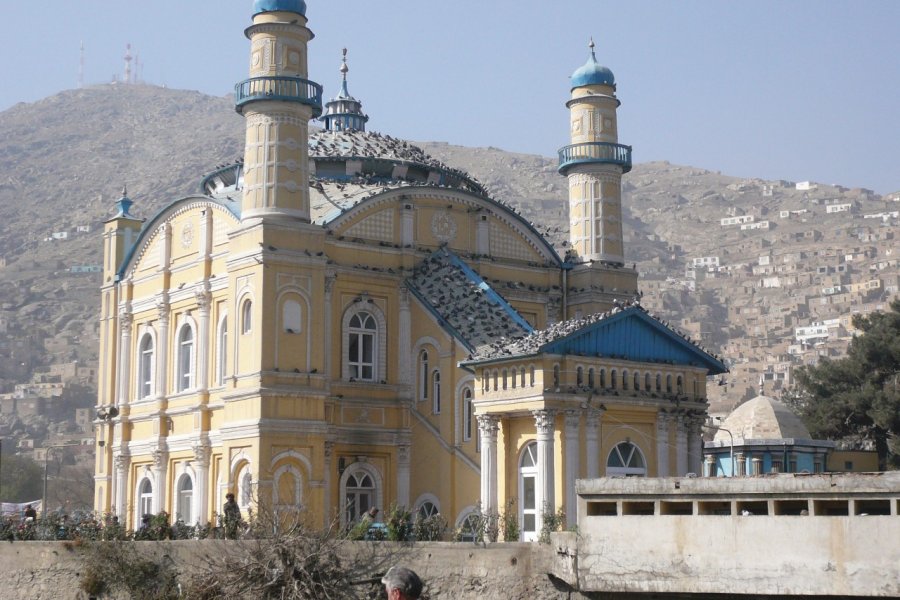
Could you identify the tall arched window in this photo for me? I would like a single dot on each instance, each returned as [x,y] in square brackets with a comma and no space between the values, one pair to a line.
[529,507]
[591,378]
[637,381]
[555,377]
[626,459]
[531,377]
[505,377]
[361,346]
[624,379]
[246,317]
[145,366]
[145,501]
[185,499]
[292,317]
[221,350]
[288,490]
[468,414]
[579,376]
[668,384]
[658,382]
[496,379]
[436,392]
[359,495]
[647,382]
[185,360]
[612,379]
[424,374]
[603,379]
[679,385]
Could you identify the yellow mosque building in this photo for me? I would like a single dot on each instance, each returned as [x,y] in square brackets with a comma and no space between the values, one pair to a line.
[340,321]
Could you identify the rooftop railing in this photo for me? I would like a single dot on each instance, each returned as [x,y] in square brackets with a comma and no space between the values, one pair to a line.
[595,152]
[287,89]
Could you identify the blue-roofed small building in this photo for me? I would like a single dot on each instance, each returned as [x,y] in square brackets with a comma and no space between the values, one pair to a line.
[338,321]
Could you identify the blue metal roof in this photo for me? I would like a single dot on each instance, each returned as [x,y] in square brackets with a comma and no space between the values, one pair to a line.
[632,334]
[294,6]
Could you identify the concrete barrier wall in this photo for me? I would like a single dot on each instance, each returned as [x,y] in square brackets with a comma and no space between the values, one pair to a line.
[764,555]
[458,571]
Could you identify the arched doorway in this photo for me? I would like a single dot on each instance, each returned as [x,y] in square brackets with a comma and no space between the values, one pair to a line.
[529,505]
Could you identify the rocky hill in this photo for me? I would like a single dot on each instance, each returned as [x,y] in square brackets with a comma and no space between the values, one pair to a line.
[66,159]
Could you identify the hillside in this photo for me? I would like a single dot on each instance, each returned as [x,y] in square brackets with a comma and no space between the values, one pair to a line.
[67,157]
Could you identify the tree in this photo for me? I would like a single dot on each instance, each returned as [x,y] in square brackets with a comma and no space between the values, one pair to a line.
[22,479]
[858,397]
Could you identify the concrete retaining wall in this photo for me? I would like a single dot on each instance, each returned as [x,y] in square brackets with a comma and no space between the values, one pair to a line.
[52,570]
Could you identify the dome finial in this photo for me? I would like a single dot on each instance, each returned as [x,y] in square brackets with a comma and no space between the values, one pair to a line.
[344,67]
[591,45]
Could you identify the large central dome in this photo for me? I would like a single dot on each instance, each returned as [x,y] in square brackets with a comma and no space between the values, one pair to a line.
[294,6]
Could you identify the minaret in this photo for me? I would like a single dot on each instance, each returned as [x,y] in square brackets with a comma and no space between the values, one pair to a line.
[277,101]
[594,163]
[344,112]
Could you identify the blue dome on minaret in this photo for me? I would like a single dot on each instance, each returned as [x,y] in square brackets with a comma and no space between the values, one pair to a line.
[294,6]
[592,73]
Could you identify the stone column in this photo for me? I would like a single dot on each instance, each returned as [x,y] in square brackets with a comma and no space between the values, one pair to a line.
[592,425]
[403,472]
[329,289]
[120,494]
[694,446]
[204,302]
[404,342]
[160,467]
[326,488]
[162,348]
[681,450]
[662,444]
[545,423]
[202,453]
[573,465]
[488,426]
[126,322]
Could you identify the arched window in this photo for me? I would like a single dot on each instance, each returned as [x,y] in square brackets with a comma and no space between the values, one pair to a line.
[246,317]
[359,495]
[612,379]
[626,459]
[468,525]
[361,346]
[436,391]
[668,384]
[288,490]
[679,385]
[529,507]
[624,379]
[185,360]
[579,376]
[145,366]
[591,378]
[292,316]
[245,487]
[185,499]
[505,378]
[145,501]
[555,377]
[603,379]
[637,381]
[427,506]
[647,382]
[485,381]
[531,378]
[658,382]
[424,373]
[221,350]
[512,377]
[522,376]
[496,380]
[468,414]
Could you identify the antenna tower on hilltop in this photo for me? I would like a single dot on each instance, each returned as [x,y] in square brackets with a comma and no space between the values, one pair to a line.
[128,59]
[81,67]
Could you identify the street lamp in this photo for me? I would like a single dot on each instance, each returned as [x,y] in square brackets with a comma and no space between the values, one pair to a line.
[731,448]
[46,460]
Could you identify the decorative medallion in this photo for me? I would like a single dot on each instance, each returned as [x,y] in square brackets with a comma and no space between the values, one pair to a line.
[443,227]
[187,235]
[294,58]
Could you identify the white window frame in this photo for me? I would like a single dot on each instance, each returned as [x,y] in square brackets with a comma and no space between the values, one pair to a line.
[626,459]
[185,372]
[145,501]
[529,453]
[436,391]
[222,349]
[146,366]
[184,499]
[377,497]
[379,342]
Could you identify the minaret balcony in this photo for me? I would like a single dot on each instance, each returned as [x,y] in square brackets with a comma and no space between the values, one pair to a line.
[285,89]
[594,153]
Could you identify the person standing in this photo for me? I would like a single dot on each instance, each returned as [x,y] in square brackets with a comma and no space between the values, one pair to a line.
[30,513]
[401,583]
[232,517]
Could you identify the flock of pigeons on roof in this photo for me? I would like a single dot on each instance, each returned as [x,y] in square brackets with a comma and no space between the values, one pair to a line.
[461,302]
[532,343]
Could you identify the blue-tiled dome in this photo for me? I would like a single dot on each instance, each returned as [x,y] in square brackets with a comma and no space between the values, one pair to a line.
[294,6]
[592,73]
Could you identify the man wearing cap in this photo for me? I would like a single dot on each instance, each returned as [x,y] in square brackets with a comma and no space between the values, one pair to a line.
[401,583]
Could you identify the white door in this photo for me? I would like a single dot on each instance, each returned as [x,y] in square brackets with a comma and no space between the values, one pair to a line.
[529,503]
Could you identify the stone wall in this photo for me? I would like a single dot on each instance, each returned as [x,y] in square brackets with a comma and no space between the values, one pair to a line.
[457,571]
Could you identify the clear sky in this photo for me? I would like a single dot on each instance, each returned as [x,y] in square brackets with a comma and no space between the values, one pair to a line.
[778,89]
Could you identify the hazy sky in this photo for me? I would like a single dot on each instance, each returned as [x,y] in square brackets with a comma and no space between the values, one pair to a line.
[797,90]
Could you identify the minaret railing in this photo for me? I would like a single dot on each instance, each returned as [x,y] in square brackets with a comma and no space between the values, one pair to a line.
[287,89]
[595,152]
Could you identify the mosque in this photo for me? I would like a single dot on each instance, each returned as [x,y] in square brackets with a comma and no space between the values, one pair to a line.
[340,322]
